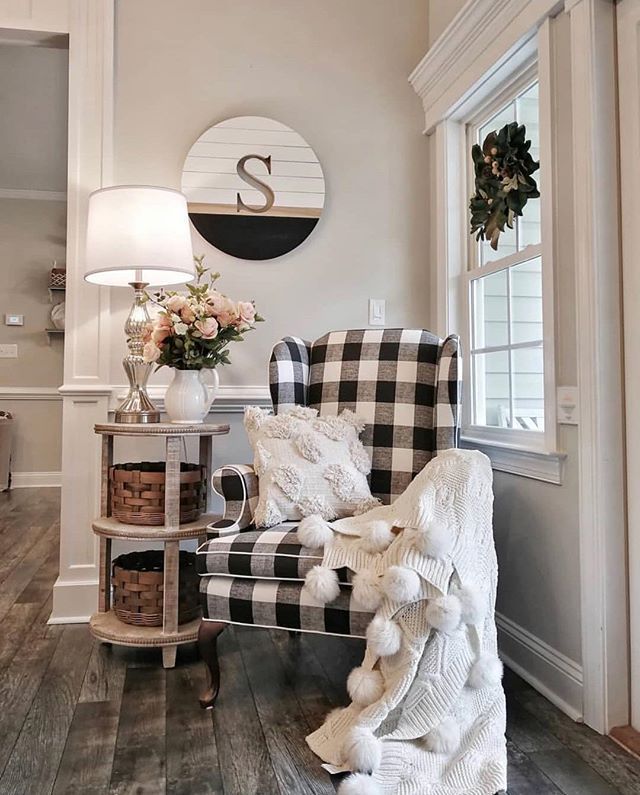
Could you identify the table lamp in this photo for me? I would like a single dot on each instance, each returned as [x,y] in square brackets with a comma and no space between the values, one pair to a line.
[138,235]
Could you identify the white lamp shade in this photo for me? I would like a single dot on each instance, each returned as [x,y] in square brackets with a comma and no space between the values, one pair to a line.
[138,233]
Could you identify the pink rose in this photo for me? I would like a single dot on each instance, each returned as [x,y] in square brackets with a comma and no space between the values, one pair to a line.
[175,303]
[247,311]
[160,334]
[208,328]
[187,314]
[164,321]
[151,352]
[229,314]
[148,332]
[216,303]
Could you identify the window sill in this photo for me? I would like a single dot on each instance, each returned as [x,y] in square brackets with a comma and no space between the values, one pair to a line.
[527,463]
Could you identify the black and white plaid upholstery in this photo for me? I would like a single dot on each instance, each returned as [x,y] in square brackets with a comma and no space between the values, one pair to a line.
[282,604]
[405,383]
[289,373]
[275,554]
[237,484]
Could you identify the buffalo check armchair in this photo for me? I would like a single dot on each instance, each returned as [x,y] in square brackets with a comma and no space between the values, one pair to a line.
[405,384]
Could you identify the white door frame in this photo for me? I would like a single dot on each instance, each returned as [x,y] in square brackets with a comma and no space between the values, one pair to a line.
[89,25]
[628,22]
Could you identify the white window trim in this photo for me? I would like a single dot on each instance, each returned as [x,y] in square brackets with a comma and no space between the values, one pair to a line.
[528,454]
[464,61]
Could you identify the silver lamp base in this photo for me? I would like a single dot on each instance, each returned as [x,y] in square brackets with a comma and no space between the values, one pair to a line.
[137,406]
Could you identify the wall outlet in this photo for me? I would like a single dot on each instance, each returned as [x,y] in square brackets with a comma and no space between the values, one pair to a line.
[376,311]
[568,405]
[14,320]
[8,351]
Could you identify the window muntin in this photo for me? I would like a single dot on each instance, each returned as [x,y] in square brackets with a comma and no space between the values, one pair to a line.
[505,300]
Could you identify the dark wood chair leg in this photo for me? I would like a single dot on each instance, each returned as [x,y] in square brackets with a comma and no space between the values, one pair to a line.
[207,645]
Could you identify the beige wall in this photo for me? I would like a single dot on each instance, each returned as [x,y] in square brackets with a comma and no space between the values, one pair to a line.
[441,12]
[33,131]
[33,121]
[337,73]
[32,234]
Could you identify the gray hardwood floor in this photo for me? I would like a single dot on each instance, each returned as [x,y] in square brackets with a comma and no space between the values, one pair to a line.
[79,717]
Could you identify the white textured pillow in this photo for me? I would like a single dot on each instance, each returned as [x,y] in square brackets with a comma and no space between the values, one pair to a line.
[307,465]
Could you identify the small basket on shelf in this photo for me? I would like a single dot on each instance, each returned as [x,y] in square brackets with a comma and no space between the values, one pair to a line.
[57,278]
[138,588]
[137,492]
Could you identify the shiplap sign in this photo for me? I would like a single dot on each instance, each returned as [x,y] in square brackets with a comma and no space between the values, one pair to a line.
[254,187]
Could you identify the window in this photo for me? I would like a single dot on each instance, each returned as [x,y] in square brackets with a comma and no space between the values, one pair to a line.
[504,295]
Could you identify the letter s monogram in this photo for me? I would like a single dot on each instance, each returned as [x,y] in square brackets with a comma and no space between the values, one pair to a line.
[256,183]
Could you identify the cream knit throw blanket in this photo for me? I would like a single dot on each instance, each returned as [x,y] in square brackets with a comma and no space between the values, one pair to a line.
[428,712]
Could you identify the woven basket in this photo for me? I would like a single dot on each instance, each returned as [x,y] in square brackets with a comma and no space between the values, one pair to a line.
[138,588]
[58,277]
[137,492]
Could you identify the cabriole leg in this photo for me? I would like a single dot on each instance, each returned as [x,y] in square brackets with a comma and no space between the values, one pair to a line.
[207,645]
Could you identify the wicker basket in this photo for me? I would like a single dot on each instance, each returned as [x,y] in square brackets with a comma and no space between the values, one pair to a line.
[138,583]
[137,492]
[58,278]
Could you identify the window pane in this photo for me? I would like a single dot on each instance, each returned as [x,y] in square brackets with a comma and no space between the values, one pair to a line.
[491,319]
[528,388]
[502,117]
[507,244]
[526,301]
[492,391]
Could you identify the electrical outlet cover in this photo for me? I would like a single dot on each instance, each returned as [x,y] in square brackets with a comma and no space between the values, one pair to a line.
[8,351]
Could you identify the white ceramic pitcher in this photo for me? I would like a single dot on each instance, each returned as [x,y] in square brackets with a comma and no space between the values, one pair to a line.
[188,398]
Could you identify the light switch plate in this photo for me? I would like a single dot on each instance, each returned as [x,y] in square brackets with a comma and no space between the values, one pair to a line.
[568,406]
[14,320]
[376,311]
[8,351]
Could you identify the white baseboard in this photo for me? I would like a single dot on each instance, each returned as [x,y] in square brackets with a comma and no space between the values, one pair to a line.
[28,480]
[551,673]
[74,601]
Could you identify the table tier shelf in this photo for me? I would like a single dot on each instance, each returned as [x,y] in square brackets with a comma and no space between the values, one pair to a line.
[112,528]
[108,627]
[159,429]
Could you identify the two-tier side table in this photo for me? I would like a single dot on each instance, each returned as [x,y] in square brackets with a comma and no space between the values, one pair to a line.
[104,624]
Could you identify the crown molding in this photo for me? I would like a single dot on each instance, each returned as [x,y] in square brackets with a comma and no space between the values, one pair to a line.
[481,38]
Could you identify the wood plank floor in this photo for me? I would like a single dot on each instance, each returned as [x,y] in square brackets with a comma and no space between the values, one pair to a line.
[79,717]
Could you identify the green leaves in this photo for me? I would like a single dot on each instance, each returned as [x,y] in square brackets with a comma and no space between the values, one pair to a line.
[502,167]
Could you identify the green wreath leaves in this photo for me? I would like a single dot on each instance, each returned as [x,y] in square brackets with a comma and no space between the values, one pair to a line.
[503,167]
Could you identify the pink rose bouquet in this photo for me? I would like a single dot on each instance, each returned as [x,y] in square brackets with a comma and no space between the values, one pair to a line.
[192,332]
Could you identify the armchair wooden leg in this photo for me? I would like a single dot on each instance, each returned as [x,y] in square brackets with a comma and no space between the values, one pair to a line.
[207,645]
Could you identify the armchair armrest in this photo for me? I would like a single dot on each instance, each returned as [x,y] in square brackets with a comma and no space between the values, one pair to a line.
[237,484]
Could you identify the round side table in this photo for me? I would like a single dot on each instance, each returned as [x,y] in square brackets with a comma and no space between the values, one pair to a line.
[104,624]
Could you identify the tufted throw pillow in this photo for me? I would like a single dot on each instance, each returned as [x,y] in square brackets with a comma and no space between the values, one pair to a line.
[307,465]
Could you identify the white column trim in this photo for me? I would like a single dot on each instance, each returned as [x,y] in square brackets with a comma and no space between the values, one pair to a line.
[598,317]
[85,391]
[449,212]
[628,19]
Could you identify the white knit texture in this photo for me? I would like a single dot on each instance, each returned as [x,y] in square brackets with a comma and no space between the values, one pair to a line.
[438,725]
